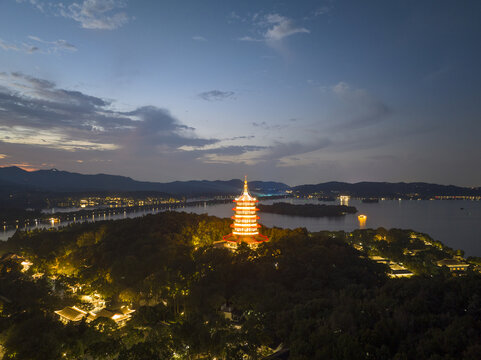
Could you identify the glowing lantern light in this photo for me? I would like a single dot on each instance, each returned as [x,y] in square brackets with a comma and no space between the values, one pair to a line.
[362,221]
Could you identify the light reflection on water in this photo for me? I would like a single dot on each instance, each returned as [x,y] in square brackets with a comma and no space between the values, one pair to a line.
[456,223]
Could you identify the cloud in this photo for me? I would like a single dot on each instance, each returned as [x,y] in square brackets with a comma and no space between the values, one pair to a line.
[199,38]
[25,48]
[273,28]
[234,17]
[46,46]
[35,112]
[243,137]
[96,14]
[281,27]
[278,153]
[248,38]
[360,107]
[36,3]
[8,46]
[55,45]
[264,125]
[91,14]
[322,10]
[232,150]
[216,95]
[281,150]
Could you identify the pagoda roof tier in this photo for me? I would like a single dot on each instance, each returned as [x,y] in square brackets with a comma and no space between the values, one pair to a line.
[235,217]
[245,198]
[245,209]
[248,239]
[245,225]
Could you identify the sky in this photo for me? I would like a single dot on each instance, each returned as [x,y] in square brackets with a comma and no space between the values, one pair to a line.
[292,91]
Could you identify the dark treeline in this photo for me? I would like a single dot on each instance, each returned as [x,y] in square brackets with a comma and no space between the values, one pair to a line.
[384,189]
[312,292]
[311,210]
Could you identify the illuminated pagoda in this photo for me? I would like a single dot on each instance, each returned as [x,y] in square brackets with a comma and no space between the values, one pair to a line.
[245,226]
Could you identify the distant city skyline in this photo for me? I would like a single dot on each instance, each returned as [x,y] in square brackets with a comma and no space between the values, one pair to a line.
[296,92]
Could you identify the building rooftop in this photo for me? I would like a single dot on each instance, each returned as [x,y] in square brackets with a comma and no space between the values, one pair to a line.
[116,315]
[71,313]
[452,263]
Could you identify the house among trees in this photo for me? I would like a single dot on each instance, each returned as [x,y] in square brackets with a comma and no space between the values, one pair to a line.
[396,270]
[18,259]
[71,314]
[120,316]
[74,314]
[453,264]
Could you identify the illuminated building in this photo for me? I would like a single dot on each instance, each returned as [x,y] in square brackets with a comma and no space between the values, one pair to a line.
[362,221]
[71,313]
[245,226]
[344,199]
[75,315]
[453,264]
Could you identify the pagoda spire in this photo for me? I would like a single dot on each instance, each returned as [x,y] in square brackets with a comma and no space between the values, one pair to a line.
[246,190]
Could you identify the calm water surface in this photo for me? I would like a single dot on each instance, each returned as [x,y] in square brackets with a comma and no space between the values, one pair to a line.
[455,223]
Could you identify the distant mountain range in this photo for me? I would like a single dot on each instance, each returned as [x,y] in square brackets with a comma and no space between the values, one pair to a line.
[385,189]
[14,179]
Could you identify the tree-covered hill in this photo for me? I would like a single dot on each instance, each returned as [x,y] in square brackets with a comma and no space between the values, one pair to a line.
[313,292]
[384,189]
[55,181]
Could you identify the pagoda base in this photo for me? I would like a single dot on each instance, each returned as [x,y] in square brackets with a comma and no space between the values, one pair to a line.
[231,241]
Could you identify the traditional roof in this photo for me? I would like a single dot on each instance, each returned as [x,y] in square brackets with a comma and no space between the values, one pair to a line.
[10,256]
[400,273]
[248,239]
[452,263]
[116,315]
[71,313]
[125,310]
[104,313]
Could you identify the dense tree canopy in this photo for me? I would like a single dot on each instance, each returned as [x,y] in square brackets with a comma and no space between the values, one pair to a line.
[313,292]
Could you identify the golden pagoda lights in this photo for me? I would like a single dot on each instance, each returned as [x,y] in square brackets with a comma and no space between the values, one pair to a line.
[245,226]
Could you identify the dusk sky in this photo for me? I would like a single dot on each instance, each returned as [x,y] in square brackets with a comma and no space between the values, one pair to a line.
[291,91]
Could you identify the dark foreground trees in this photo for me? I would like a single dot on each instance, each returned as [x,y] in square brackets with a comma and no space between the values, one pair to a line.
[312,292]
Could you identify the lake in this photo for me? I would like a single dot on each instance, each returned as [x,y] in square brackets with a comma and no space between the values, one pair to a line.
[456,223]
